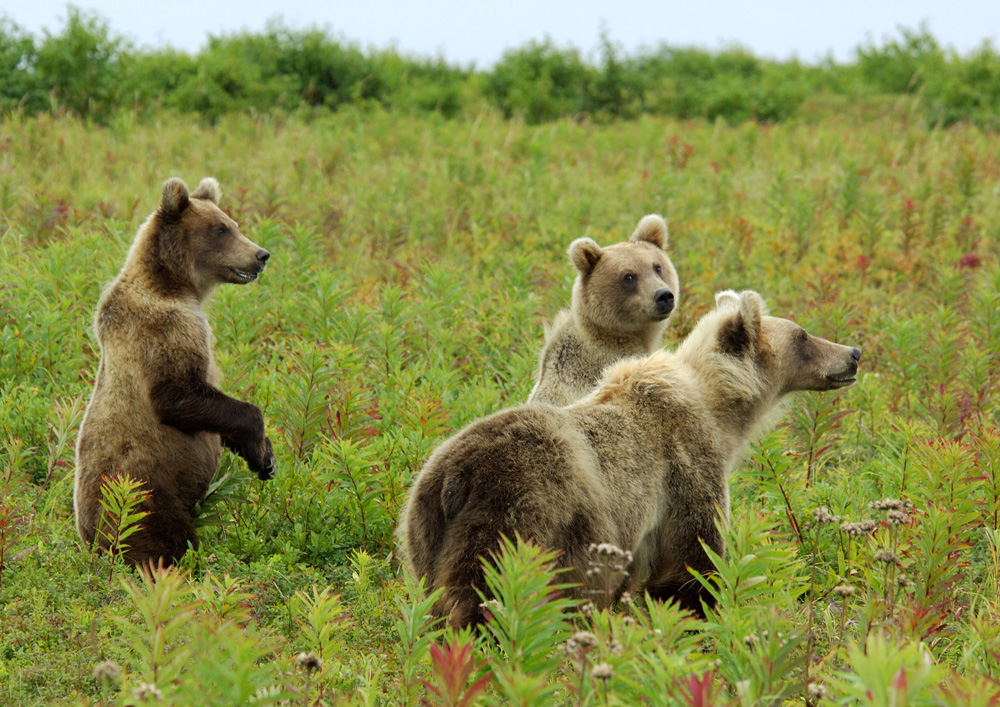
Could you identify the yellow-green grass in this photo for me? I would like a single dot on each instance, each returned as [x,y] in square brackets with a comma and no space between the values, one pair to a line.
[414,261]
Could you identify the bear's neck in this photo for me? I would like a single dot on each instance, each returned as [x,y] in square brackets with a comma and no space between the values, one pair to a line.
[621,343]
[155,267]
[168,283]
[740,402]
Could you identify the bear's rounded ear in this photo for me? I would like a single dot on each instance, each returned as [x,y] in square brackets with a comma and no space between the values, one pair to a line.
[740,332]
[584,253]
[652,229]
[209,189]
[726,300]
[752,304]
[752,309]
[175,197]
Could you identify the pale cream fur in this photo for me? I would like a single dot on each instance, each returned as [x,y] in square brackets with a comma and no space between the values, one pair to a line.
[642,462]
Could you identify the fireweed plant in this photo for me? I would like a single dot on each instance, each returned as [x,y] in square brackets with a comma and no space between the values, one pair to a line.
[414,260]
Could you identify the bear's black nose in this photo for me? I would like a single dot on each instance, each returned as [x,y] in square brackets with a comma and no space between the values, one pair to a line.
[664,301]
[856,354]
[262,256]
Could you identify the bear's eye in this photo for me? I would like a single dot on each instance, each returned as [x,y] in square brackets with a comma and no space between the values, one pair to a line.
[657,269]
[222,230]
[628,278]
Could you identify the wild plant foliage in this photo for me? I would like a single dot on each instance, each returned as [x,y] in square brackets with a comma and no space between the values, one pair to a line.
[414,261]
[87,69]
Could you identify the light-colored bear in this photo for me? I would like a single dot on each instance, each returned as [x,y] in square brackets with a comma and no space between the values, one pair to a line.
[643,462]
[622,298]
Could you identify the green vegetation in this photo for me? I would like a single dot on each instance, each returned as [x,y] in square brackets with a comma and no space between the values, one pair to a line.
[90,71]
[414,261]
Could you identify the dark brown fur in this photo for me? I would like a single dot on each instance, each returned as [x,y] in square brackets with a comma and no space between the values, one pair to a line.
[642,463]
[156,412]
[615,312]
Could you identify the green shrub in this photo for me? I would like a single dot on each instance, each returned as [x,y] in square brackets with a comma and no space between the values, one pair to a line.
[82,66]
[540,82]
[18,88]
[88,70]
[900,65]
[966,89]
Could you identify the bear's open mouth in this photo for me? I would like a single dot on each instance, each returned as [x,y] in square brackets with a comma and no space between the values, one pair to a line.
[243,275]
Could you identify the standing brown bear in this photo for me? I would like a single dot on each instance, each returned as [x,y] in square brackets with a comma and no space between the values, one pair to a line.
[157,413]
[622,299]
[642,462]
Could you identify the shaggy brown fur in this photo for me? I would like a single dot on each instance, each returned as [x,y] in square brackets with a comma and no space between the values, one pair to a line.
[622,298]
[156,412]
[643,462]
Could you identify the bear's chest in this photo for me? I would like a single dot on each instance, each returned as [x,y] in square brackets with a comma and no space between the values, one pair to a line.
[212,375]
[201,336]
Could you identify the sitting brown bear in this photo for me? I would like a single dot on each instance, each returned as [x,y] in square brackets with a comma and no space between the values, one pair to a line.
[156,412]
[622,298]
[642,462]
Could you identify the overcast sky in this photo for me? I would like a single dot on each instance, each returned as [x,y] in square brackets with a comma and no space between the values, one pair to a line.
[470,31]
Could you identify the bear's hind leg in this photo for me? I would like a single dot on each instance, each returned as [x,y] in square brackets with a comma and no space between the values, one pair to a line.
[689,595]
[672,580]
[460,607]
[164,534]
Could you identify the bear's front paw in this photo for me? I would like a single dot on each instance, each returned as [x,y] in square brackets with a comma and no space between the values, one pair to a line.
[259,456]
[264,464]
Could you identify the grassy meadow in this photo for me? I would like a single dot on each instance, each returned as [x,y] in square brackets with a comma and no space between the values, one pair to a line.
[414,261]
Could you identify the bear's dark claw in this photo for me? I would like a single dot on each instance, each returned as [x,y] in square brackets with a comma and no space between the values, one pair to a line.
[266,474]
[266,469]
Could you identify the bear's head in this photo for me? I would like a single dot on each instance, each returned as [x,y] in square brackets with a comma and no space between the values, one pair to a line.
[629,287]
[775,353]
[197,243]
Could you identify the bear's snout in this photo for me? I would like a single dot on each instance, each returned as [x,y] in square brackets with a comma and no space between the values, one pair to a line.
[664,299]
[852,367]
[262,256]
[846,375]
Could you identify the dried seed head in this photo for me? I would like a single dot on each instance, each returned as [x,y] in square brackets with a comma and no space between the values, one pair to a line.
[903,581]
[628,620]
[886,555]
[750,639]
[211,559]
[817,691]
[859,528]
[895,517]
[844,590]
[108,670]
[616,648]
[823,515]
[602,671]
[147,691]
[310,662]
[892,504]
[610,550]
[583,641]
